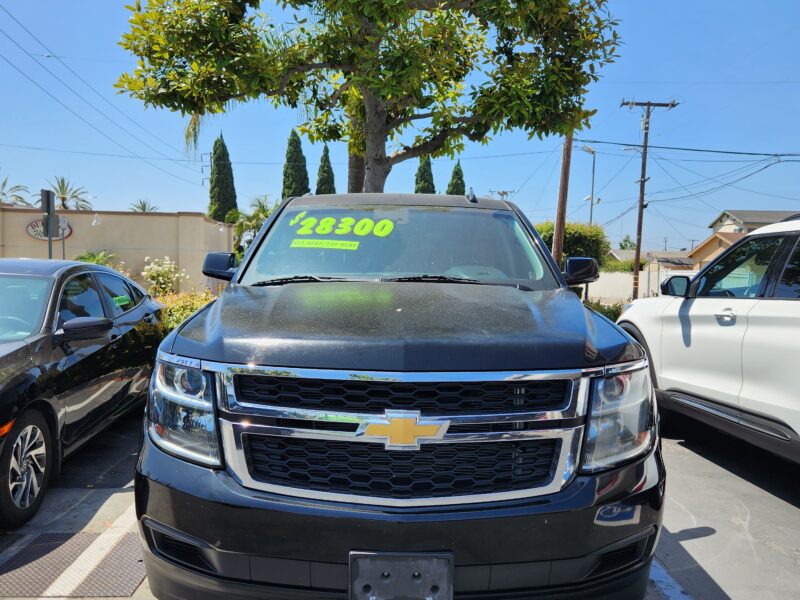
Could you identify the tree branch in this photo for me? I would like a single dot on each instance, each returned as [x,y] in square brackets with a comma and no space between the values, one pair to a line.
[407,119]
[435,142]
[334,98]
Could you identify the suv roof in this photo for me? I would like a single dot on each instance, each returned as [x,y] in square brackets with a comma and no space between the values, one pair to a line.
[788,225]
[401,199]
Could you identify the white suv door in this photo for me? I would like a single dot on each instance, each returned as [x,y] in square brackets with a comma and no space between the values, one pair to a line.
[771,354]
[701,344]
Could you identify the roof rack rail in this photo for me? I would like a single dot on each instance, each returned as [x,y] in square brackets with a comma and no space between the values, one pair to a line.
[794,217]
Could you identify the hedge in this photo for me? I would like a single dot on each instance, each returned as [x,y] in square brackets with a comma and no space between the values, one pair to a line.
[580,239]
[620,266]
[612,311]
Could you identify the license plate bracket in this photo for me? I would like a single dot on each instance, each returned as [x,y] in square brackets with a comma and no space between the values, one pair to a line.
[401,576]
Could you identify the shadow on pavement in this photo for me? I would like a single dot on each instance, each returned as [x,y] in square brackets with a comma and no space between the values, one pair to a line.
[771,473]
[107,460]
[685,569]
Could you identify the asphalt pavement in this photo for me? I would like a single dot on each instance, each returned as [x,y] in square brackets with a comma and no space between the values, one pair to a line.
[732,524]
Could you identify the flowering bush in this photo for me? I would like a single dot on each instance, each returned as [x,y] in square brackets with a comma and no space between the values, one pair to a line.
[163,274]
[179,306]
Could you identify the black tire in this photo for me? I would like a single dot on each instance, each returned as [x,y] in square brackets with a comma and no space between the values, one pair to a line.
[17,513]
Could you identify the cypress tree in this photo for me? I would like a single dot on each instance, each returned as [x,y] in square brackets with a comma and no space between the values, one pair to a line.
[325,183]
[456,185]
[222,193]
[295,175]
[424,180]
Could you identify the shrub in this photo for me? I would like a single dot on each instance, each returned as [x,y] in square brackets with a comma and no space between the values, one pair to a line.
[620,266]
[612,311]
[97,257]
[179,306]
[163,275]
[580,239]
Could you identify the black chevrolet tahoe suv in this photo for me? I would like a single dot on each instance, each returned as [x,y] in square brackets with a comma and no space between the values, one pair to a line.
[398,397]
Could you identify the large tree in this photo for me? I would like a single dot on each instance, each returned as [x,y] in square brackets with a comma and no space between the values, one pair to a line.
[423,182]
[222,191]
[413,77]
[295,174]
[457,186]
[325,180]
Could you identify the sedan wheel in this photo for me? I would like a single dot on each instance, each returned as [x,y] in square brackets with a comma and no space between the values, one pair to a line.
[27,467]
[26,463]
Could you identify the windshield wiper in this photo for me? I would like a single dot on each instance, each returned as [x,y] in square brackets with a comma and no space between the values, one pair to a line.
[449,279]
[297,279]
[434,279]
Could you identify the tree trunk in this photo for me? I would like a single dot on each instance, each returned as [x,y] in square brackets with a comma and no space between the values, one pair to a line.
[376,164]
[355,173]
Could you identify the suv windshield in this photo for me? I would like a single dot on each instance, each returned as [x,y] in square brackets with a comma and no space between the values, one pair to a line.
[22,303]
[389,242]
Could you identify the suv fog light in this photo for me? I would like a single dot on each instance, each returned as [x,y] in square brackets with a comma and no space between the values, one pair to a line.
[621,419]
[181,413]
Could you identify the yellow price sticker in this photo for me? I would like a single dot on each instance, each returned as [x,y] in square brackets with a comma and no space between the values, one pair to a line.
[344,226]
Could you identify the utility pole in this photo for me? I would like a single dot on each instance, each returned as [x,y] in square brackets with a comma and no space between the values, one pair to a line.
[561,211]
[665,244]
[693,243]
[648,109]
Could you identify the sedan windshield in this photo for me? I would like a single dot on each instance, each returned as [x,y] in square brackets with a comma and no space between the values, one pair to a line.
[22,304]
[399,243]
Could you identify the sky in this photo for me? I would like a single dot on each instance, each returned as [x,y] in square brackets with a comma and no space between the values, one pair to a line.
[731,66]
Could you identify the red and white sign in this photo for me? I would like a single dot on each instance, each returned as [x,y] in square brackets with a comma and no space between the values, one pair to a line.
[36,230]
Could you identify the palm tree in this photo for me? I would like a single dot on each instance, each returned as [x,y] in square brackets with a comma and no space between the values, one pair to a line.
[246,226]
[98,257]
[13,193]
[68,194]
[144,206]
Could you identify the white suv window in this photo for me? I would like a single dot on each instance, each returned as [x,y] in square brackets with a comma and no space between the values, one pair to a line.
[740,273]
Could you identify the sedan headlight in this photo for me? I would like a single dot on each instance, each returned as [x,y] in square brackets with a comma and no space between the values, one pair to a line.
[621,420]
[181,412]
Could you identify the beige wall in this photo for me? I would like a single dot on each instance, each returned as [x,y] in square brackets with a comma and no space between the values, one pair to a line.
[184,237]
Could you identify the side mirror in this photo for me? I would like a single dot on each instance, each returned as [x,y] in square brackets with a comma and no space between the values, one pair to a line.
[677,285]
[219,265]
[85,328]
[579,270]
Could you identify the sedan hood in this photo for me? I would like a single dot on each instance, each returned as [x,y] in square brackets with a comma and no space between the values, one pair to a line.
[402,327]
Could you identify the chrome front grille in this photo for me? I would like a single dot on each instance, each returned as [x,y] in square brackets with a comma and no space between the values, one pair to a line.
[383,455]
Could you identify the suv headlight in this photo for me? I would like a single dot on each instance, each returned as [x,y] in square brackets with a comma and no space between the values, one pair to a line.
[621,419]
[181,412]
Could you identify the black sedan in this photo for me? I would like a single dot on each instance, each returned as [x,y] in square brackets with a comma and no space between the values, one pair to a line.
[77,342]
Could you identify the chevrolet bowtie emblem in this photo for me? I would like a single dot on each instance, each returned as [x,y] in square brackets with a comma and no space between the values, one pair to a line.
[402,429]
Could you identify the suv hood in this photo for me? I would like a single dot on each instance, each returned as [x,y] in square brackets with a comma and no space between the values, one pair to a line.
[402,327]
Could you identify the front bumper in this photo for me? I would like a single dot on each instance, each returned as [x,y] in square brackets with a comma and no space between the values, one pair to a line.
[208,537]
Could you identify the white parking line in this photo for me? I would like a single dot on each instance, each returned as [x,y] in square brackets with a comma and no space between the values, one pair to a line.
[79,570]
[666,584]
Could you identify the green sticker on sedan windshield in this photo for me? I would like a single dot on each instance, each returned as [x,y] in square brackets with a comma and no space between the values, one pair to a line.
[327,244]
[121,300]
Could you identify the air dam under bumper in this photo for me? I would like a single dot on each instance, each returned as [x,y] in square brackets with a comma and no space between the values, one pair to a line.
[208,537]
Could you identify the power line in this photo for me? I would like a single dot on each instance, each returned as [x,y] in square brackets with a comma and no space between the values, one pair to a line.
[86,121]
[81,97]
[715,189]
[704,150]
[738,187]
[82,80]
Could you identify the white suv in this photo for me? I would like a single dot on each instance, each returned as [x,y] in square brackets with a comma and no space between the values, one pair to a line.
[725,347]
